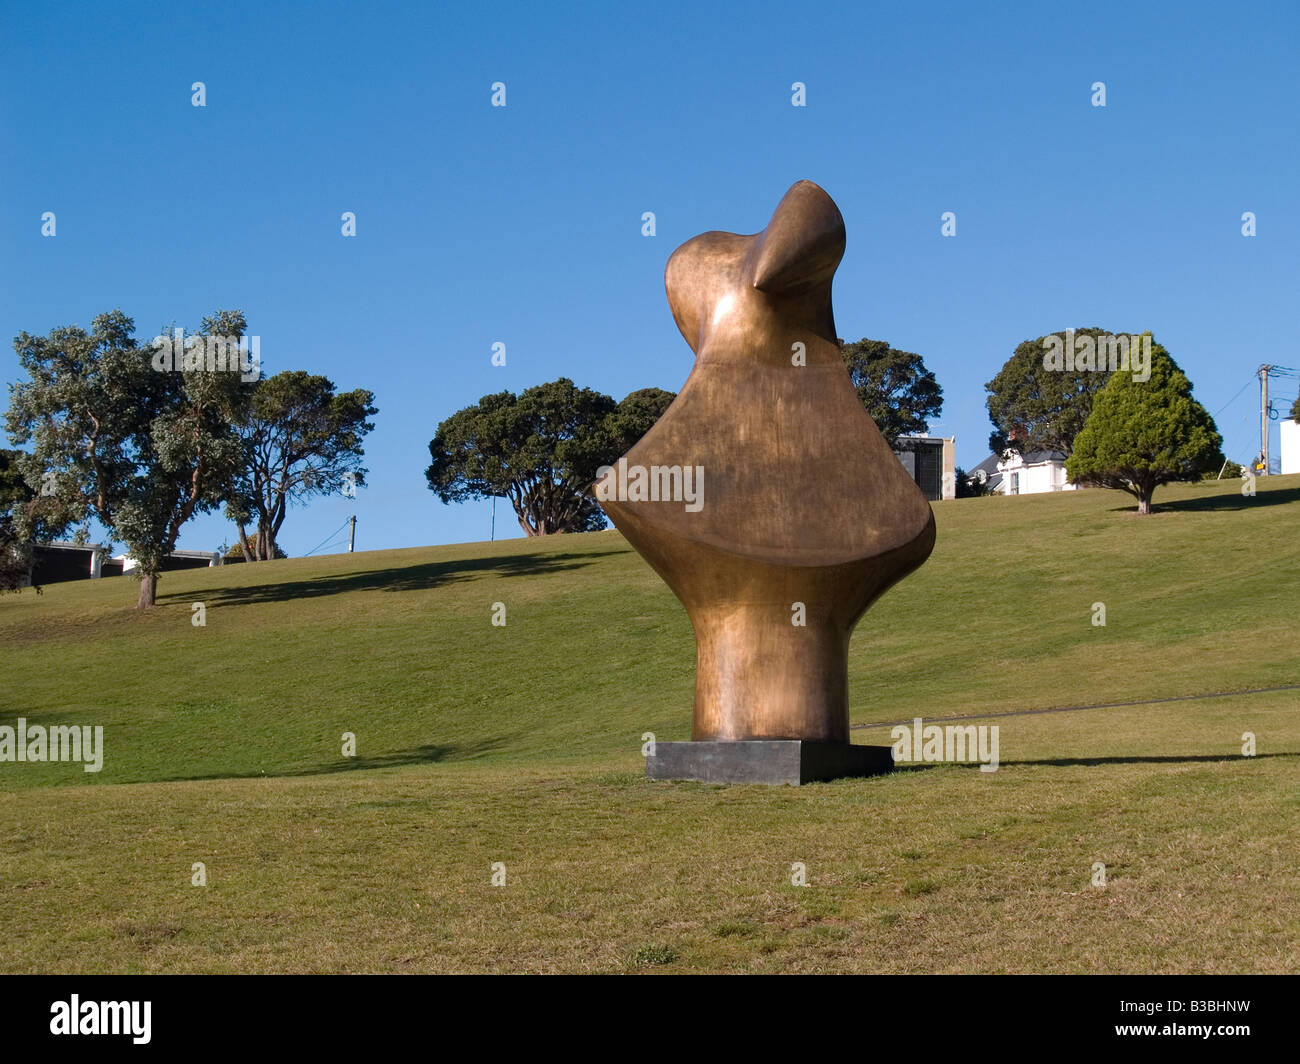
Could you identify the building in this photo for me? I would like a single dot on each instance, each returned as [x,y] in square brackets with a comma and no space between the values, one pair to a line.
[986,473]
[61,560]
[1034,473]
[1029,474]
[177,559]
[932,462]
[1290,433]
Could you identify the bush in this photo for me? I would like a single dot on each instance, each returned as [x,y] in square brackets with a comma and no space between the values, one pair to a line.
[236,554]
[970,487]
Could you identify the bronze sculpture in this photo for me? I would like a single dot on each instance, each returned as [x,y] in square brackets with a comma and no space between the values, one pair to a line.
[804,512]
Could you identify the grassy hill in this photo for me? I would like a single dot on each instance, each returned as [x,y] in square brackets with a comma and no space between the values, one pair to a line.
[520,744]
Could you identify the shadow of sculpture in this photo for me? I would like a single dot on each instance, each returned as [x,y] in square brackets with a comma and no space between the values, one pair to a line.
[431,754]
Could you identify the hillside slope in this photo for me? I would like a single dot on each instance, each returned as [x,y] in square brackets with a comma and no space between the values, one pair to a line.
[398,646]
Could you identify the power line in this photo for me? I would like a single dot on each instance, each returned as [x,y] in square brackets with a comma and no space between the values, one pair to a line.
[337,541]
[326,540]
[1234,398]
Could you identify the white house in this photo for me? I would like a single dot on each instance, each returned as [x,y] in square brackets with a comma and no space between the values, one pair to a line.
[1028,474]
[1290,433]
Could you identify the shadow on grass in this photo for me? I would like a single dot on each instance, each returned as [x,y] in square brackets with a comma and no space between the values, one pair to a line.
[1220,503]
[1070,762]
[1159,759]
[416,755]
[406,578]
[45,719]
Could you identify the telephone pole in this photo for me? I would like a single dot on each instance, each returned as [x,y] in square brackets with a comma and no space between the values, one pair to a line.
[352,532]
[1263,415]
[1265,411]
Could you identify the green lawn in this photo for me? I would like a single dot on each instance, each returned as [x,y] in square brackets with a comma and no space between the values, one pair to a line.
[520,744]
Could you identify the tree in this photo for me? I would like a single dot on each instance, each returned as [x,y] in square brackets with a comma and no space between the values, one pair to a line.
[15,495]
[1141,435]
[1038,409]
[1295,410]
[300,439]
[970,486]
[541,450]
[899,393]
[139,448]
[636,415]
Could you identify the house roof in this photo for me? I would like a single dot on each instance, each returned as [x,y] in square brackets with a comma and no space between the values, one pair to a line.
[990,464]
[178,554]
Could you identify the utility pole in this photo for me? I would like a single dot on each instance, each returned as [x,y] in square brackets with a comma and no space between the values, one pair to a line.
[352,532]
[1263,414]
[493,534]
[1265,411]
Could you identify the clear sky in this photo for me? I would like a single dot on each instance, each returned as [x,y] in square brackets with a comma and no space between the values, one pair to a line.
[522,225]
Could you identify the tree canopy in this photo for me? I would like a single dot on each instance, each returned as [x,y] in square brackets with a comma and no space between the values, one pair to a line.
[899,393]
[1141,435]
[15,495]
[115,438]
[539,449]
[1038,409]
[300,439]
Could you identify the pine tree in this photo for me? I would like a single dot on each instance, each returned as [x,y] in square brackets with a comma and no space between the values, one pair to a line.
[1142,434]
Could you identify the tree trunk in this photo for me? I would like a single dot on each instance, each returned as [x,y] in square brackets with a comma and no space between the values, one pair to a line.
[524,523]
[1144,504]
[243,544]
[148,591]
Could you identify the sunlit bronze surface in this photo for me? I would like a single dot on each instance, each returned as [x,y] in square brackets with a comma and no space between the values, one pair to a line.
[803,501]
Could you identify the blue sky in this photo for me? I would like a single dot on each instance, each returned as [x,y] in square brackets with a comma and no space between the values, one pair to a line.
[523,224]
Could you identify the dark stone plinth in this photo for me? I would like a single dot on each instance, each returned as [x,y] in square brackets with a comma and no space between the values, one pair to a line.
[792,761]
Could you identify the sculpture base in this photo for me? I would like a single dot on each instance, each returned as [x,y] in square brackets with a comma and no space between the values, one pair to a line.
[792,761]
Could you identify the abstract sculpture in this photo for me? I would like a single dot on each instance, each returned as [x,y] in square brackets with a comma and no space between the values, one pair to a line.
[799,516]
